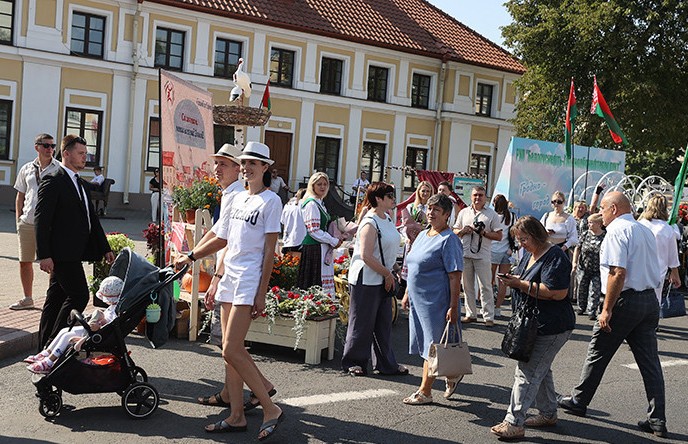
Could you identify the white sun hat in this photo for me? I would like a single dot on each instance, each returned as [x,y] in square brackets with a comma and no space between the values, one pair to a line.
[228,151]
[256,151]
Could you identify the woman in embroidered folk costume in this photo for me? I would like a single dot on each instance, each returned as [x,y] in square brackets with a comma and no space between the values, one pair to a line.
[317,264]
[543,273]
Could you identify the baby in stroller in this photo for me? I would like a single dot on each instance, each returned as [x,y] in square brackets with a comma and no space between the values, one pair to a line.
[109,292]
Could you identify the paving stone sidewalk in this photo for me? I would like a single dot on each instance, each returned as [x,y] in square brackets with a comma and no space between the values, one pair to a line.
[19,328]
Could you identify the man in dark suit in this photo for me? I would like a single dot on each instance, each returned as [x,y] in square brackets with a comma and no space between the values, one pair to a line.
[67,233]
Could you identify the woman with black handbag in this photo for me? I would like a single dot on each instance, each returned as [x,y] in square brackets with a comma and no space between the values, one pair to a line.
[540,284]
[372,280]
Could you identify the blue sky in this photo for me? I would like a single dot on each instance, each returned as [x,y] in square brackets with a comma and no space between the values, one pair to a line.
[485,16]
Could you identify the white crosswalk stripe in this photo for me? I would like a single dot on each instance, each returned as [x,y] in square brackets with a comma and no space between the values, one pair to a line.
[303,401]
[664,364]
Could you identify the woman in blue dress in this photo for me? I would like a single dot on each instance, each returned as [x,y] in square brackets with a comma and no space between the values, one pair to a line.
[434,282]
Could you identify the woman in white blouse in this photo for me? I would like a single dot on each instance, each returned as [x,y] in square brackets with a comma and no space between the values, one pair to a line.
[560,225]
[371,275]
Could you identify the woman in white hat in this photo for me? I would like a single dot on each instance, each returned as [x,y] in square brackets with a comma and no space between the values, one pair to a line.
[254,226]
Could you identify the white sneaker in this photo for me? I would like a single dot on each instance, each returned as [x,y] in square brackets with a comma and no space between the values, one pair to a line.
[22,304]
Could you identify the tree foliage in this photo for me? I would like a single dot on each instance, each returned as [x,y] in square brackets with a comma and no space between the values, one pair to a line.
[639,51]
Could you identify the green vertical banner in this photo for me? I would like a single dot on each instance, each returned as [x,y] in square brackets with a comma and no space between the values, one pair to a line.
[678,189]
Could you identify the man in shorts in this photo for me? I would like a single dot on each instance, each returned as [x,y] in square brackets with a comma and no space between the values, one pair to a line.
[28,179]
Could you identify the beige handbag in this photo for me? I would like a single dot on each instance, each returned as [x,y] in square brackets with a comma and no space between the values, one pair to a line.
[449,359]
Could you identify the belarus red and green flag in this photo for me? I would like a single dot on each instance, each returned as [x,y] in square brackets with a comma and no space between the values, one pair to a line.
[599,107]
[571,113]
[265,101]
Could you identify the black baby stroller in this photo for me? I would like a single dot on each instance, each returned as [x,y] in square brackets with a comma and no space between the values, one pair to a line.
[103,365]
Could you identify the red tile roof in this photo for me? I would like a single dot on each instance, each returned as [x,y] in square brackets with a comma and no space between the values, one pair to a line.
[412,26]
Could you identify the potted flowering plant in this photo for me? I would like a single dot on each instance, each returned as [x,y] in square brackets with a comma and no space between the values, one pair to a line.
[152,234]
[204,193]
[284,271]
[299,305]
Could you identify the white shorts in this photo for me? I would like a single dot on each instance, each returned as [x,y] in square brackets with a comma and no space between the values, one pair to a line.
[235,292]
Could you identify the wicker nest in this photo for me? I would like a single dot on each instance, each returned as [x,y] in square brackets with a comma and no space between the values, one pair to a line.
[240,115]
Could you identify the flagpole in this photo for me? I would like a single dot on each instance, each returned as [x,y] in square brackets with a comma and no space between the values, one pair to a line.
[573,157]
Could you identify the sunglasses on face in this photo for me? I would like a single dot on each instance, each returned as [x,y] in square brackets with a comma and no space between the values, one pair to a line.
[390,195]
[46,145]
[557,202]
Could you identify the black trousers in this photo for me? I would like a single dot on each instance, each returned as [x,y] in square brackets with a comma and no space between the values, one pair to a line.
[369,333]
[67,290]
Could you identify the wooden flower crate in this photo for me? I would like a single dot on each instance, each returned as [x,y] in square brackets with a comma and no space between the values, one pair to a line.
[317,335]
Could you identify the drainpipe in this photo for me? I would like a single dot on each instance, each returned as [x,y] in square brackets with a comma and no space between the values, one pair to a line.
[132,98]
[438,115]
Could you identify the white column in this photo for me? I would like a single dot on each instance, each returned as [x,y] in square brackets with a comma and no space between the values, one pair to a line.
[353,148]
[304,166]
[398,147]
[310,82]
[115,163]
[201,64]
[358,87]
[459,147]
[40,113]
[259,53]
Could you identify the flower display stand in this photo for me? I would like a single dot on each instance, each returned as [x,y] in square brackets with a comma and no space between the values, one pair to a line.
[317,335]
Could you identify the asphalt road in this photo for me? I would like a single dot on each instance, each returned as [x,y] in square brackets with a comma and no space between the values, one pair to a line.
[353,410]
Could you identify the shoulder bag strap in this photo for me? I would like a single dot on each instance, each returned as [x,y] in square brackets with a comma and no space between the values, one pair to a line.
[379,241]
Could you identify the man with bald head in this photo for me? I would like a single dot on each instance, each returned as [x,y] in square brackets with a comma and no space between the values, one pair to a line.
[629,274]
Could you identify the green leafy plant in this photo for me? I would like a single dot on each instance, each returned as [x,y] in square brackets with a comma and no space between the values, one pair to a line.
[101,269]
[153,306]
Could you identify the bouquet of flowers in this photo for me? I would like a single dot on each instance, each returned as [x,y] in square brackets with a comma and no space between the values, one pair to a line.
[341,265]
[284,271]
[300,305]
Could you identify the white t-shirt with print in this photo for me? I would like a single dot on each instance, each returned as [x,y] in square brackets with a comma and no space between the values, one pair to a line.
[221,227]
[251,217]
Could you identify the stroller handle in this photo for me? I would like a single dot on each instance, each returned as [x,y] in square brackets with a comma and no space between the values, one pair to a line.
[173,277]
[77,316]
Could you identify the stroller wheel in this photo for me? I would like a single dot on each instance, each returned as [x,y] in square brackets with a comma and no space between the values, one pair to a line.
[140,400]
[50,405]
[139,374]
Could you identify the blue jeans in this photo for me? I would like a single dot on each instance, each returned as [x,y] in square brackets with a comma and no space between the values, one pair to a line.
[533,381]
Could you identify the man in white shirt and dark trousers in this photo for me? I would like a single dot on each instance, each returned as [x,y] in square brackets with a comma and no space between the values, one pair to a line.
[477,226]
[28,179]
[629,274]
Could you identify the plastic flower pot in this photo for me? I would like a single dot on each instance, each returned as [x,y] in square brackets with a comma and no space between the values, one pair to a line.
[152,313]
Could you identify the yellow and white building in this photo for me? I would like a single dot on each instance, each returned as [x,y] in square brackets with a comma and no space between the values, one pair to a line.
[354,85]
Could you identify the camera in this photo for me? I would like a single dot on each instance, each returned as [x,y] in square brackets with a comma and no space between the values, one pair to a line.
[478,225]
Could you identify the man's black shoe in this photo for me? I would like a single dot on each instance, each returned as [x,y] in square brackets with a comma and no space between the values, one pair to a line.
[566,403]
[658,429]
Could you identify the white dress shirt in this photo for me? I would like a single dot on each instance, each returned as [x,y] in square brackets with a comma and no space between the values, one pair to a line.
[630,245]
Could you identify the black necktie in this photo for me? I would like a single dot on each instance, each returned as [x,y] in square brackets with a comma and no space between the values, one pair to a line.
[83,200]
[81,191]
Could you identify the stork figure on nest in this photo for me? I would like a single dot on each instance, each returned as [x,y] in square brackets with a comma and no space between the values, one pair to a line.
[242,82]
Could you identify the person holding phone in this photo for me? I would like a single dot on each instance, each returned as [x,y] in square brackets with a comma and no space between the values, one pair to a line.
[544,274]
